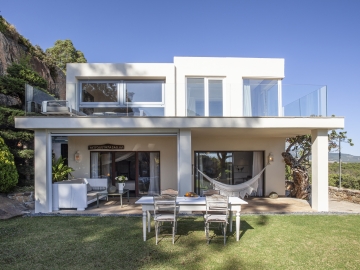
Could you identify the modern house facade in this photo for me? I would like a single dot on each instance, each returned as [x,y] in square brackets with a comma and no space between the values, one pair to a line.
[159,123]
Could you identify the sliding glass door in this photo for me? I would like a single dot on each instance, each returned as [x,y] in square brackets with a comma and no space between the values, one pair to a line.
[141,168]
[230,168]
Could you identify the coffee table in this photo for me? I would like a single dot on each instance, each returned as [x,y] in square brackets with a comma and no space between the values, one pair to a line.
[119,193]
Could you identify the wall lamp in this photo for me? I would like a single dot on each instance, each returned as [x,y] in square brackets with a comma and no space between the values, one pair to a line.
[78,156]
[270,158]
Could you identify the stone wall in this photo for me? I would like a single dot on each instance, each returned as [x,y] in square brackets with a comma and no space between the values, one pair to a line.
[344,194]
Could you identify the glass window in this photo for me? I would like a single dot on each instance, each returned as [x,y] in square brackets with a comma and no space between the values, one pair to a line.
[261,97]
[145,92]
[99,92]
[195,97]
[204,97]
[215,98]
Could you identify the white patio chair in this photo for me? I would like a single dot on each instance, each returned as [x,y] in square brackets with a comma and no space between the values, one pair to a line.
[217,211]
[169,191]
[165,212]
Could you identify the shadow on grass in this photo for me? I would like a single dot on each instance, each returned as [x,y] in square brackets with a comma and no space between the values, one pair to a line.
[190,225]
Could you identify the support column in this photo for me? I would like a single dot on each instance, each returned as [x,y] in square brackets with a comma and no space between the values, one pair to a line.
[42,178]
[320,164]
[184,162]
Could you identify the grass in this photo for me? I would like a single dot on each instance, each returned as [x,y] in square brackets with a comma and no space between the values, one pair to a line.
[267,242]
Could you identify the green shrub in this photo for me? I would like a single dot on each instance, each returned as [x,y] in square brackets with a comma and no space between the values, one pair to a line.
[8,173]
[22,71]
[60,171]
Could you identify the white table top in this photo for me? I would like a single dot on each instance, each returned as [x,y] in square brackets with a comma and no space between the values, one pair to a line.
[188,200]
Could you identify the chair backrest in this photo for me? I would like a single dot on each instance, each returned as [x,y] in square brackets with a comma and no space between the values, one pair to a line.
[210,192]
[164,204]
[217,204]
[169,191]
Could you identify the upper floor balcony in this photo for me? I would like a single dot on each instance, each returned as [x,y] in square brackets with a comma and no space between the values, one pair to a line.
[198,97]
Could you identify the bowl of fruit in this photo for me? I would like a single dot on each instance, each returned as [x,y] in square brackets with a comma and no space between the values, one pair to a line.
[191,194]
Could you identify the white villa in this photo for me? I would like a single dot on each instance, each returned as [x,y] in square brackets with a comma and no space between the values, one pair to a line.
[155,123]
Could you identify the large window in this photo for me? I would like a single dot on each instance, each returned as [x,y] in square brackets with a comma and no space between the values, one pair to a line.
[122,98]
[261,97]
[204,97]
[230,168]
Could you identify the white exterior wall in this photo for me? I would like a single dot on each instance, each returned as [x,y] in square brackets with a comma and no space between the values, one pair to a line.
[274,174]
[129,71]
[233,70]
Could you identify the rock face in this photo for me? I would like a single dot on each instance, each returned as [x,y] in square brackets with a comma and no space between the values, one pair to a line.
[344,194]
[11,208]
[11,51]
[9,101]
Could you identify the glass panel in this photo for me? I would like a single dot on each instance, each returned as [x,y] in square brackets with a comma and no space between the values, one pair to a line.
[99,92]
[216,165]
[101,164]
[195,97]
[149,173]
[125,164]
[143,91]
[260,97]
[124,111]
[243,162]
[215,98]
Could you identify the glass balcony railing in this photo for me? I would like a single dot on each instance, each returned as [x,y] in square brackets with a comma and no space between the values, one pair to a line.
[313,103]
[253,98]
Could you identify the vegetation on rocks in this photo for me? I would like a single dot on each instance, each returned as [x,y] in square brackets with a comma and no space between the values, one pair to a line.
[350,175]
[8,173]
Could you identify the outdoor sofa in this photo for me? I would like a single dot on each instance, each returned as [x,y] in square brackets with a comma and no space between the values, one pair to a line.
[77,193]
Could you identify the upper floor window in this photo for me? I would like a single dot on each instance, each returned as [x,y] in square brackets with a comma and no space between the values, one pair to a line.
[261,97]
[99,92]
[122,98]
[204,97]
[144,92]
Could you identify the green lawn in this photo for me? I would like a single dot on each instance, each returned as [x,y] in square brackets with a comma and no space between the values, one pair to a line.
[267,242]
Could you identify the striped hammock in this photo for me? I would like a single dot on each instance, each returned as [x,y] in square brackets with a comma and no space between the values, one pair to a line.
[240,190]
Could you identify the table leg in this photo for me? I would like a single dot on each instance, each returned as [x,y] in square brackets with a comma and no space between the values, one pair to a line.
[144,225]
[128,195]
[121,200]
[231,221]
[149,223]
[237,225]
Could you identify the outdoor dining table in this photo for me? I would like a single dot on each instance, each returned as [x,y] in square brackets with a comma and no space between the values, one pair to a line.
[189,204]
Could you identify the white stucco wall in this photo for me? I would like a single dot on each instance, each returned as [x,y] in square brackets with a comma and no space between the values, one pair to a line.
[167,145]
[274,174]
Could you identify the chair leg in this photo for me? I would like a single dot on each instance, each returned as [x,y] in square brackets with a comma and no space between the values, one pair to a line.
[225,234]
[156,232]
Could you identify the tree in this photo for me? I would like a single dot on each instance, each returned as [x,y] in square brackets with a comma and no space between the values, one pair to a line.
[299,187]
[64,52]
[8,173]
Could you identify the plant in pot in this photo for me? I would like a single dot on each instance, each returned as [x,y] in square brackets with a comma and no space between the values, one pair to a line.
[60,171]
[121,179]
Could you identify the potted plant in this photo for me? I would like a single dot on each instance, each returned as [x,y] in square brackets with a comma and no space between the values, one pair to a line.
[121,179]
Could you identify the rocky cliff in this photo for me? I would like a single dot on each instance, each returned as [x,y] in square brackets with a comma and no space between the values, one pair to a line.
[11,51]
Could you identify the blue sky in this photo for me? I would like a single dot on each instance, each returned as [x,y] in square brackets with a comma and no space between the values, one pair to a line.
[319,39]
